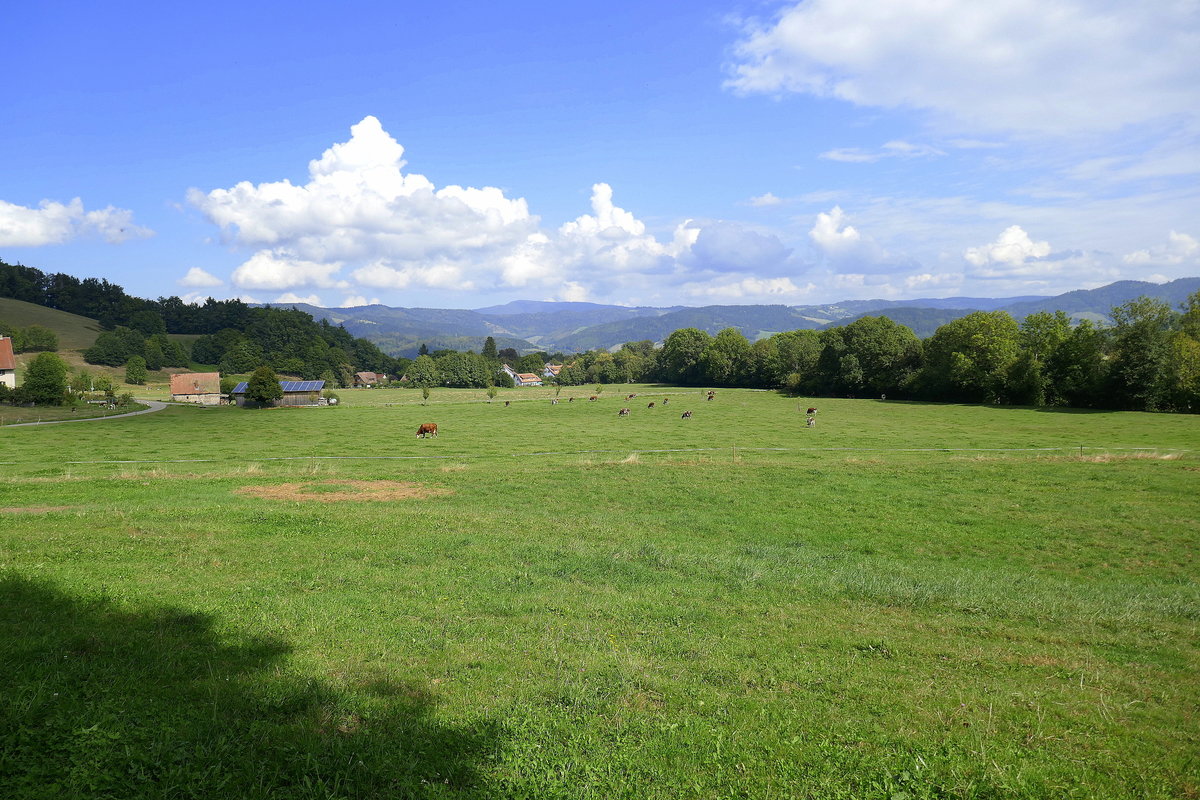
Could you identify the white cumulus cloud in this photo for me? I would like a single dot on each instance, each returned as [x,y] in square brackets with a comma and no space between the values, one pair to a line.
[55,223]
[291,297]
[1180,248]
[1010,65]
[362,223]
[197,278]
[356,300]
[1012,248]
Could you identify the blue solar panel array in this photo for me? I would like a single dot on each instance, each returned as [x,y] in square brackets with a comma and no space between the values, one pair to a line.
[288,386]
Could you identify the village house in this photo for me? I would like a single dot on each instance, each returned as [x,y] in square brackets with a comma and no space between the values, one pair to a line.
[521,378]
[368,380]
[295,393]
[8,363]
[552,370]
[197,387]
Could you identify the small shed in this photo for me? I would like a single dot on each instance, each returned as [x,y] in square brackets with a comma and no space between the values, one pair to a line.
[8,363]
[295,393]
[196,387]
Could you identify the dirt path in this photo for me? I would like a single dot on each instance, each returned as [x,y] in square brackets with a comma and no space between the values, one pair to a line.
[155,405]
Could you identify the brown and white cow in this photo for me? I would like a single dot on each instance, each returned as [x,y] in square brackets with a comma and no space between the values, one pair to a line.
[624,412]
[593,397]
[650,405]
[554,402]
[427,429]
[812,410]
[686,415]
[666,400]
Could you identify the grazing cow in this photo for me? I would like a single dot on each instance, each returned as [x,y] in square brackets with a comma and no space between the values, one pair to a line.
[554,402]
[651,405]
[812,422]
[427,429]
[593,397]
[624,412]
[666,400]
[811,411]
[686,415]
[570,399]
[712,392]
[630,396]
[507,403]
[710,397]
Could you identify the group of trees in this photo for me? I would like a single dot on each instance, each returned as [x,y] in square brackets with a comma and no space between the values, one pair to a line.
[291,342]
[30,339]
[1149,359]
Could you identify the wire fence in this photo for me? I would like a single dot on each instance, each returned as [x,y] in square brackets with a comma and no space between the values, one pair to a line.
[1081,450]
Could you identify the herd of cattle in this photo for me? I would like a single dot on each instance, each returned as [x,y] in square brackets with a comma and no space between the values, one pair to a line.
[428,429]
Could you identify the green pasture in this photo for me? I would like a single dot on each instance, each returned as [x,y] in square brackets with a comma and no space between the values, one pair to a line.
[904,601]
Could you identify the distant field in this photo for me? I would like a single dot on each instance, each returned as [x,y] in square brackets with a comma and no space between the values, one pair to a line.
[908,600]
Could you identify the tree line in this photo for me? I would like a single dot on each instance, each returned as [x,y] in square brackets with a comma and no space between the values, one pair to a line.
[1148,360]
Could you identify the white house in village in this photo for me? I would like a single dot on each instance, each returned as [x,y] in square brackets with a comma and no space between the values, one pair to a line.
[8,363]
[552,370]
[521,378]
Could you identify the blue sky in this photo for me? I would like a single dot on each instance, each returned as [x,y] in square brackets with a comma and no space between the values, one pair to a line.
[466,154]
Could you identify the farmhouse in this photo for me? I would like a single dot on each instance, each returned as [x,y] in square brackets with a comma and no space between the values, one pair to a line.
[196,387]
[521,378]
[295,393]
[8,363]
[367,380]
[552,370]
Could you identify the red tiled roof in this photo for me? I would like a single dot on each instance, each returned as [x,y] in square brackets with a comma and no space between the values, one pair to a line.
[528,376]
[196,383]
[7,361]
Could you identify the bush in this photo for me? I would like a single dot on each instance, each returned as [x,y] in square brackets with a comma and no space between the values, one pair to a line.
[45,380]
[263,388]
[135,370]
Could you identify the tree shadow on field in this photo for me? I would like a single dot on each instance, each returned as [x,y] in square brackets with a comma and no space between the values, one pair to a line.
[97,700]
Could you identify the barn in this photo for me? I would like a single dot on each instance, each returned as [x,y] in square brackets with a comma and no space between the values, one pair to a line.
[196,387]
[295,393]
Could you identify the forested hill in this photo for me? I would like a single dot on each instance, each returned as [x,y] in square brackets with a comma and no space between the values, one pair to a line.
[233,335]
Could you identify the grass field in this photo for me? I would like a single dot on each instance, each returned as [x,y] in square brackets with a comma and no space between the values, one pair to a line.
[906,601]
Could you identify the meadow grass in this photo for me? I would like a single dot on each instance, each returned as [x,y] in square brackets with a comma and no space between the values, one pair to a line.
[907,600]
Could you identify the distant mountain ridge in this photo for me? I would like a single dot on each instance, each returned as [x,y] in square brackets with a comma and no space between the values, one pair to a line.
[528,325]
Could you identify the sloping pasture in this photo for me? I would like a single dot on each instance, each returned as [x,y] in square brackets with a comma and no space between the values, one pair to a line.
[906,600]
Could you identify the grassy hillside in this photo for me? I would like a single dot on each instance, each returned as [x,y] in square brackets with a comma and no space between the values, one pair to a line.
[550,601]
[74,332]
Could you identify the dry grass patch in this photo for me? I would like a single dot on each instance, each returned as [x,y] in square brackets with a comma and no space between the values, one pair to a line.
[1108,458]
[34,509]
[339,491]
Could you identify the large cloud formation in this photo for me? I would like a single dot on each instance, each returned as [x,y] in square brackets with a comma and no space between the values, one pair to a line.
[361,223]
[1009,65]
[55,223]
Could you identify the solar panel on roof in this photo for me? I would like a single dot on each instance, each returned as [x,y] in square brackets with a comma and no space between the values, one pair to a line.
[288,386]
[302,386]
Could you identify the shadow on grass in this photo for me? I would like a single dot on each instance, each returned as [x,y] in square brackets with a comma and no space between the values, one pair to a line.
[97,700]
